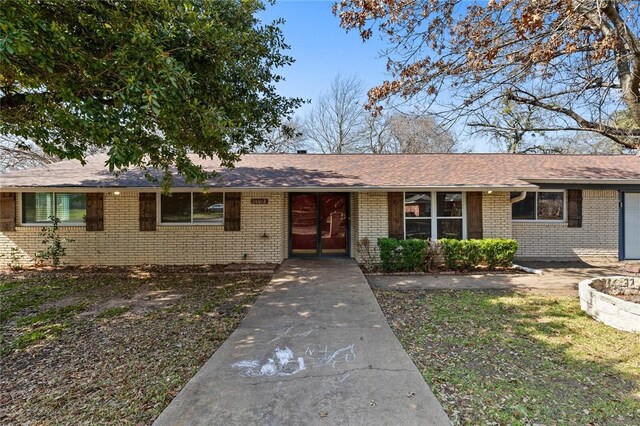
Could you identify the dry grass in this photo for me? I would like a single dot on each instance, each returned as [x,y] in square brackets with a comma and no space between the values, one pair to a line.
[110,347]
[495,357]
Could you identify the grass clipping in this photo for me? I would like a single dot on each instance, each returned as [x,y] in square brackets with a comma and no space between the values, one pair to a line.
[102,348]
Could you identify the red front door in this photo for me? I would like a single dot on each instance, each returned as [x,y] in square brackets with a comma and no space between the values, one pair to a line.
[319,224]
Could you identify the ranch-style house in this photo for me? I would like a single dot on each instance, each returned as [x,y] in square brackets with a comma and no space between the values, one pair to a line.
[274,206]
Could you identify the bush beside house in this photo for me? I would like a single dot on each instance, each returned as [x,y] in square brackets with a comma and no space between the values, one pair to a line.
[457,255]
[401,255]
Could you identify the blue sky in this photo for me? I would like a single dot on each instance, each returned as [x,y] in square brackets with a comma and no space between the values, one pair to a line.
[322,49]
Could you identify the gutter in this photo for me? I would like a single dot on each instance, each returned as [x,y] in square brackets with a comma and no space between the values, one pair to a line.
[519,197]
[500,188]
[584,181]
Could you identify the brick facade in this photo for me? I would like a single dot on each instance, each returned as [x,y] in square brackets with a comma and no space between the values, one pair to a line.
[598,235]
[264,232]
[263,237]
[371,218]
[496,215]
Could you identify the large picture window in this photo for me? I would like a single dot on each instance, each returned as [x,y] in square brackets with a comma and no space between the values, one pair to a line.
[541,205]
[433,215]
[39,207]
[196,208]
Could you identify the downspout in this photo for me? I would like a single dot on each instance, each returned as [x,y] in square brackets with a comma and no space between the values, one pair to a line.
[519,197]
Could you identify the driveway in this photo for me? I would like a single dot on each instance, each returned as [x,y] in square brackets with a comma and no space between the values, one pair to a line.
[558,278]
[314,349]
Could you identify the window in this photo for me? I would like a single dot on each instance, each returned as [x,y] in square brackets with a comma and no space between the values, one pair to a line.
[70,208]
[449,215]
[192,208]
[541,205]
[417,214]
[433,215]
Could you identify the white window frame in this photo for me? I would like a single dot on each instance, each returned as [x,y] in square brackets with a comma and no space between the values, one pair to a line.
[48,223]
[434,213]
[192,223]
[535,208]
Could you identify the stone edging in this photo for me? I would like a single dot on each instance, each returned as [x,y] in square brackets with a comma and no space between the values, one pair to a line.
[610,310]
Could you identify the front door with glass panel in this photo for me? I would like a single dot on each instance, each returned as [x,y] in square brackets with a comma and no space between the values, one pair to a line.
[318,224]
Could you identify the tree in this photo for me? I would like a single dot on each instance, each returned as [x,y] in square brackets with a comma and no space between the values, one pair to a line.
[288,137]
[146,81]
[509,131]
[577,60]
[339,124]
[582,143]
[335,123]
[16,154]
[401,133]
[419,134]
[375,134]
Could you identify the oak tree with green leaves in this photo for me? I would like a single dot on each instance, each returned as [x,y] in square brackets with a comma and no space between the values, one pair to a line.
[147,81]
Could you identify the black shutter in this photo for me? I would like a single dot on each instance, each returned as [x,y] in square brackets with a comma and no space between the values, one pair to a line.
[396,214]
[7,211]
[232,211]
[95,211]
[474,215]
[147,211]
[575,208]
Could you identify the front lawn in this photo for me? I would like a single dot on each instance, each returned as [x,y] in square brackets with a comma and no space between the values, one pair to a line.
[110,347]
[495,357]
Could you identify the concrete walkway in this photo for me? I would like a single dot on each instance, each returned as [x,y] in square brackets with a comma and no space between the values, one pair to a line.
[560,279]
[314,349]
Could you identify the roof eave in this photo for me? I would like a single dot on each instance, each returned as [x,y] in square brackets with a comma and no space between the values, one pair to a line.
[353,188]
[583,181]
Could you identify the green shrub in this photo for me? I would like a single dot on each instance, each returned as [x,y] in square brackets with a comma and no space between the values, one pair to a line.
[464,255]
[54,249]
[499,252]
[461,255]
[401,255]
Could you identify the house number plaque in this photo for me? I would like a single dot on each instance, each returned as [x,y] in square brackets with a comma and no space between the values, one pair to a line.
[259,201]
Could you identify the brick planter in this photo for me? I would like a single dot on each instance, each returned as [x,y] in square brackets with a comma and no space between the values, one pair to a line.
[611,310]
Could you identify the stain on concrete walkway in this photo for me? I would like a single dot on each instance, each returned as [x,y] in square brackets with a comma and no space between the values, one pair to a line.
[314,349]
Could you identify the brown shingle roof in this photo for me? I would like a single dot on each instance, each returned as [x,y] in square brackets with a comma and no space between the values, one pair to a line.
[268,171]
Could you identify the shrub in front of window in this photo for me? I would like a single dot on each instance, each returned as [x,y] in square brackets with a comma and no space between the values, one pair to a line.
[54,249]
[433,255]
[465,255]
[499,252]
[461,255]
[401,255]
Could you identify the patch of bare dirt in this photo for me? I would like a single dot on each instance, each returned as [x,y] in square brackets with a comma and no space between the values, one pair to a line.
[142,302]
[97,348]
